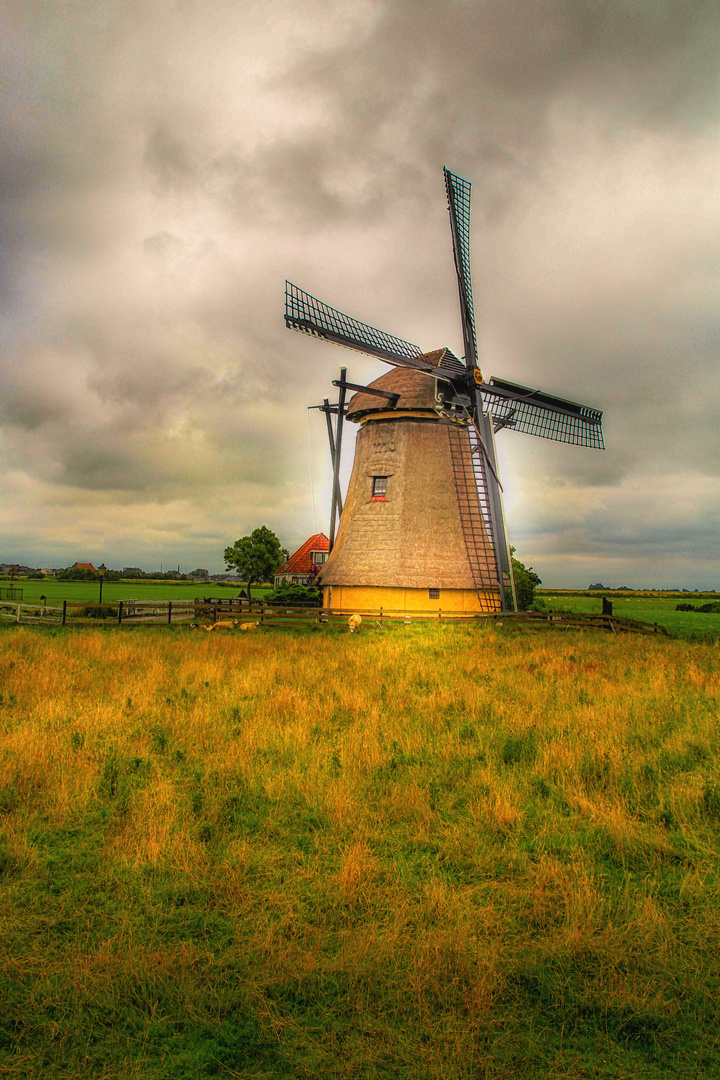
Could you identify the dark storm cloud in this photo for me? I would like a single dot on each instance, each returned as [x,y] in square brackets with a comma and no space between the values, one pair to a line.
[472,84]
[163,167]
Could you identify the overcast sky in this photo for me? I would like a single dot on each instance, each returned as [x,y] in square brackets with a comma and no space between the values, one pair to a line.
[165,165]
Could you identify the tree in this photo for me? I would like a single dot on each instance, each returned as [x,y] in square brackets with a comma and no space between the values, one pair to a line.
[255,557]
[74,573]
[526,581]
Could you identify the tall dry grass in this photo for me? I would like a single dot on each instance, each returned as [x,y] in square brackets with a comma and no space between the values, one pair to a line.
[430,851]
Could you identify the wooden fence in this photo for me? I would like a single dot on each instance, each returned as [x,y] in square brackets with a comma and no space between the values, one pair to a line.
[122,612]
[210,611]
[575,621]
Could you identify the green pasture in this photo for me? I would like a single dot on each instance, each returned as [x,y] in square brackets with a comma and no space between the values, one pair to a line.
[89,591]
[652,609]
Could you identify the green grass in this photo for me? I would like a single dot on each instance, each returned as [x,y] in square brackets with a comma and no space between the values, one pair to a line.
[430,851]
[652,609]
[89,591]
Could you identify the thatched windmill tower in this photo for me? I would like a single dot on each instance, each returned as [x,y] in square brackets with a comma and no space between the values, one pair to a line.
[412,535]
[423,525]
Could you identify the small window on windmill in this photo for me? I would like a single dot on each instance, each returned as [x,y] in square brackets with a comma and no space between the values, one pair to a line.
[434,594]
[379,488]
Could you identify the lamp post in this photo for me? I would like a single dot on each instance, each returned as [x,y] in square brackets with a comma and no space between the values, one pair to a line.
[101,571]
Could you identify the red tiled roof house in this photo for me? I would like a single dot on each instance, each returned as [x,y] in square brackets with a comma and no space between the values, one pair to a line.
[303,565]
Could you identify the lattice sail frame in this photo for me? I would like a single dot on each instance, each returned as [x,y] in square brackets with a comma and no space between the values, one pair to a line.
[469,473]
[533,413]
[458,194]
[309,315]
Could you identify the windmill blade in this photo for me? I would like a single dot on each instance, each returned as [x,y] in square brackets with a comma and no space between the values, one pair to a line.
[458,194]
[305,313]
[482,439]
[535,413]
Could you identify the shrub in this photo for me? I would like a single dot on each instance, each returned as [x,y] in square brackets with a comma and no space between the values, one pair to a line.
[303,595]
[526,581]
[94,611]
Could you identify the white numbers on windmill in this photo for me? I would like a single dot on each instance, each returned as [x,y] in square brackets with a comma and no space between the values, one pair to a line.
[422,526]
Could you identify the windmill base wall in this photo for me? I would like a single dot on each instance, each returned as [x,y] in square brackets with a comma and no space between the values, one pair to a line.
[359,598]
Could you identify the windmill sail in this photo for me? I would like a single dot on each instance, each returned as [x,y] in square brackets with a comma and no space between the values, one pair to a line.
[309,315]
[458,194]
[535,413]
[489,493]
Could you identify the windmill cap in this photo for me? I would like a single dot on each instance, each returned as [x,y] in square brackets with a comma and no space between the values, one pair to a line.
[416,390]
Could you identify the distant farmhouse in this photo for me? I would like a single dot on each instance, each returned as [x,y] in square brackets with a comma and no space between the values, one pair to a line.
[304,564]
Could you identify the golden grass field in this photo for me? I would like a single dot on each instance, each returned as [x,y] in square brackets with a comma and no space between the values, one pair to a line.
[427,851]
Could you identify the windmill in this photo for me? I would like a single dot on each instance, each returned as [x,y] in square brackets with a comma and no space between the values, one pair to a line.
[442,415]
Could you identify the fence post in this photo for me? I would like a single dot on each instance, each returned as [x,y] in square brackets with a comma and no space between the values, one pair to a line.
[64,612]
[120,603]
[169,612]
[381,622]
[214,614]
[439,614]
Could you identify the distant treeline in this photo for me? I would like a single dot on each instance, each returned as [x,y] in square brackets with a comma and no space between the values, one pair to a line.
[75,573]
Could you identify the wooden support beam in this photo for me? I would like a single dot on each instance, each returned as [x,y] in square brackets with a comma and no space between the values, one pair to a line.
[336,463]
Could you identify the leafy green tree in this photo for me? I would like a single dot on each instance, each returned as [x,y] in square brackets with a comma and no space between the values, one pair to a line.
[255,557]
[74,573]
[526,581]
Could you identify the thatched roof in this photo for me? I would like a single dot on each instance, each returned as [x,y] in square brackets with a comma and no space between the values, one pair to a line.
[417,390]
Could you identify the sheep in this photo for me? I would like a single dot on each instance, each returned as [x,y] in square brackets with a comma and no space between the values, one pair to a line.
[249,625]
[222,624]
[354,623]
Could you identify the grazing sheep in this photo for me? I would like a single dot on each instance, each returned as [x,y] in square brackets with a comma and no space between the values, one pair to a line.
[222,624]
[249,625]
[354,623]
